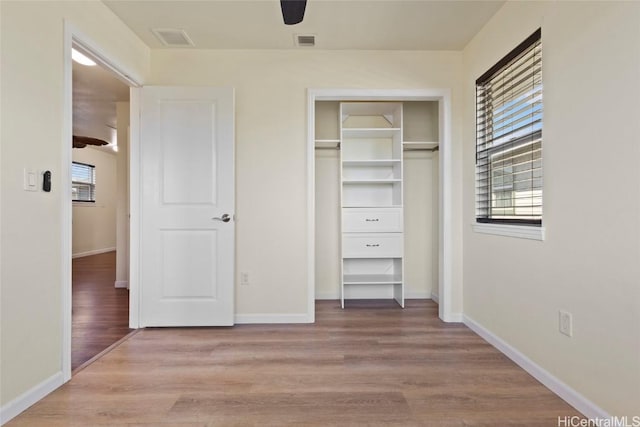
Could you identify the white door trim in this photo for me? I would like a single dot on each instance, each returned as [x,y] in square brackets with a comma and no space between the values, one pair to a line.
[73,35]
[443,96]
[134,206]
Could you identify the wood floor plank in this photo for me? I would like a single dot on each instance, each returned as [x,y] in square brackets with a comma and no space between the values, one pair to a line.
[372,364]
[100,313]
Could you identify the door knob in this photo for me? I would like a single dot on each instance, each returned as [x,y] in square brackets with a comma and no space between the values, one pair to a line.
[223,218]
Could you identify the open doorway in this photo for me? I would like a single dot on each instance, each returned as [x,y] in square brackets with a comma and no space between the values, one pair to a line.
[100,212]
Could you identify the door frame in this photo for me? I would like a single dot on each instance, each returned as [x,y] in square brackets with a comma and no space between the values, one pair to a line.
[443,96]
[73,36]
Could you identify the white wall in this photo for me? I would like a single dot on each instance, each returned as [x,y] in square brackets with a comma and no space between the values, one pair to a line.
[94,224]
[32,116]
[327,233]
[588,263]
[420,231]
[123,113]
[271,146]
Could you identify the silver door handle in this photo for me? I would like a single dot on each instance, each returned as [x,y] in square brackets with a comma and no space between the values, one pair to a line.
[223,218]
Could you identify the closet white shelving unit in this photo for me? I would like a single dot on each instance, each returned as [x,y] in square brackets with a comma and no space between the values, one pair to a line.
[371,193]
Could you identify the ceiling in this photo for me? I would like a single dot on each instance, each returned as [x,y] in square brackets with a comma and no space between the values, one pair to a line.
[258,24]
[95,93]
[344,24]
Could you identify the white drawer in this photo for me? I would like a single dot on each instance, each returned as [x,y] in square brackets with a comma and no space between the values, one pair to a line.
[373,245]
[371,220]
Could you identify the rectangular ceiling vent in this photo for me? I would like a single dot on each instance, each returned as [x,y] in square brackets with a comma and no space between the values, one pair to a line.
[305,40]
[172,37]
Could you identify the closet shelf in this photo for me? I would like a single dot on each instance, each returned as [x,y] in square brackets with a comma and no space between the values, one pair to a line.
[327,143]
[370,206]
[372,162]
[372,279]
[369,132]
[420,145]
[371,181]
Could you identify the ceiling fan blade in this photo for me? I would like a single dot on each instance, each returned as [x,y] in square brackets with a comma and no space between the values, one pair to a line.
[83,141]
[293,11]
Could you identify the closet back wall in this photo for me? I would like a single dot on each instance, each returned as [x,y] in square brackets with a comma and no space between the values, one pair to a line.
[271,148]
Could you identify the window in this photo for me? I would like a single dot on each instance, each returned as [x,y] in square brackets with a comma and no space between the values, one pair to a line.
[83,182]
[509,138]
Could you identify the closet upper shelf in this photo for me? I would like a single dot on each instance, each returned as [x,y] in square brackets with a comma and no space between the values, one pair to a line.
[379,114]
[420,145]
[369,132]
[327,143]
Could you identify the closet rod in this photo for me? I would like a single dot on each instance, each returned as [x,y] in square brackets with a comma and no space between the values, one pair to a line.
[431,150]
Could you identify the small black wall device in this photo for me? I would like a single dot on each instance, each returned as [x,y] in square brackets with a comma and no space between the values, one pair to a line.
[46,181]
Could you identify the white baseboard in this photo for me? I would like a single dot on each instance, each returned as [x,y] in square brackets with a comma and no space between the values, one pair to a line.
[244,319]
[454,318]
[417,294]
[122,284]
[93,252]
[566,393]
[328,295]
[435,298]
[28,398]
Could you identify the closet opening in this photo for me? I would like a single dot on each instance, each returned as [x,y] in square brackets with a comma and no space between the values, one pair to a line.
[378,198]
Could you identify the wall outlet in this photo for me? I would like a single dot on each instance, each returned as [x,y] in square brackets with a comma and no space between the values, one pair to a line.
[244,278]
[565,323]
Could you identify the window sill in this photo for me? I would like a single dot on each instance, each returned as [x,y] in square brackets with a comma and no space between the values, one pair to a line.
[510,230]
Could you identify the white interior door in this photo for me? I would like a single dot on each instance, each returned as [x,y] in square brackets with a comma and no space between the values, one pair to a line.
[187,206]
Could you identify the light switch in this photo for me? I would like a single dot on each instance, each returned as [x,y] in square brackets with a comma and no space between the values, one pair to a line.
[30,180]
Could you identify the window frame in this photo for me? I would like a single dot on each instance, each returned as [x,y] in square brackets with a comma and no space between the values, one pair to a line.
[486,222]
[92,185]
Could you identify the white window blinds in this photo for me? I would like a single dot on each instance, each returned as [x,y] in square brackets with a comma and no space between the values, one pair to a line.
[509,137]
[83,182]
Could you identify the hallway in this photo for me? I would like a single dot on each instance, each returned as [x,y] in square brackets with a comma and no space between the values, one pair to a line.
[100,312]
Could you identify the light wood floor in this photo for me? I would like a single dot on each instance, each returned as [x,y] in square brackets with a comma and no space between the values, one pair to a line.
[100,314]
[371,364]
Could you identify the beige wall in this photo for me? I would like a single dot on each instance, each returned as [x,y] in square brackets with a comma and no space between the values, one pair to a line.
[588,263]
[123,113]
[94,224]
[271,118]
[327,232]
[420,231]
[32,117]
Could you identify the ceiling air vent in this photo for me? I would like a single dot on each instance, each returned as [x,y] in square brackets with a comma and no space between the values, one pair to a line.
[172,37]
[305,40]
